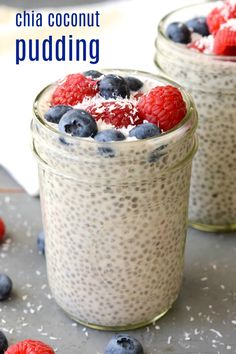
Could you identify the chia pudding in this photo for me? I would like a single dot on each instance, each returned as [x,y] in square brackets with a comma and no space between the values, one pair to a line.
[211,79]
[115,224]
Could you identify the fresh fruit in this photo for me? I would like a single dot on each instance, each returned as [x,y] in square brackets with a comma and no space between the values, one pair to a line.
[30,346]
[138,95]
[145,130]
[163,106]
[225,39]
[107,135]
[3,343]
[119,113]
[220,15]
[124,344]
[178,32]
[5,286]
[203,45]
[156,154]
[55,113]
[198,25]
[133,83]
[41,242]
[78,122]
[113,86]
[2,230]
[94,74]
[73,89]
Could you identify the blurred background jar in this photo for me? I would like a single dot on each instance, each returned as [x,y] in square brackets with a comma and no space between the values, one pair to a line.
[212,81]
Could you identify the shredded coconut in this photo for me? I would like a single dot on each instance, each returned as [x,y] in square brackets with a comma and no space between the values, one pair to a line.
[216,332]
[231,24]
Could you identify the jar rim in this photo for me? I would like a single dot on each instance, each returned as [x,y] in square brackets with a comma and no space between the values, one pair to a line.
[178,130]
[184,49]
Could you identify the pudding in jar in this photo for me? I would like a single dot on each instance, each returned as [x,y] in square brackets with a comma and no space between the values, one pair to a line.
[196,46]
[114,151]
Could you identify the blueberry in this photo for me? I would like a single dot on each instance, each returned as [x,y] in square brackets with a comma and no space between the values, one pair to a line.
[198,25]
[156,154]
[5,286]
[113,86]
[63,141]
[78,122]
[55,113]
[133,83]
[145,130]
[109,135]
[179,32]
[41,242]
[106,136]
[124,344]
[94,74]
[3,343]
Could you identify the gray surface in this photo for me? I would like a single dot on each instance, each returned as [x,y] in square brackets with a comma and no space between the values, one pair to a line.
[203,320]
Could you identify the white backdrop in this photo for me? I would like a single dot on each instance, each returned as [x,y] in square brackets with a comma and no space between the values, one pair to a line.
[127,34]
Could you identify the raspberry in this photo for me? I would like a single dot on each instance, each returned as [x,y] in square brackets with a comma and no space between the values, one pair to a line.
[197,45]
[73,89]
[163,106]
[119,113]
[203,44]
[138,95]
[225,39]
[29,346]
[2,230]
[220,15]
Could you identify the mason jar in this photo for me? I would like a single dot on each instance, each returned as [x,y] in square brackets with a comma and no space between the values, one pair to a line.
[115,218]
[212,82]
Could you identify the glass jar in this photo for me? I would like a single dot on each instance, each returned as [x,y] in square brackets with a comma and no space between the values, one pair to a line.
[115,218]
[212,83]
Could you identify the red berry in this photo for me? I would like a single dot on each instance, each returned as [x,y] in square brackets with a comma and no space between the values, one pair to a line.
[2,230]
[197,45]
[163,106]
[29,346]
[225,39]
[119,113]
[138,95]
[220,15]
[203,44]
[73,89]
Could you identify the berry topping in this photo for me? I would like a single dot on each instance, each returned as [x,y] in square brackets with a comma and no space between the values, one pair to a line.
[109,135]
[78,122]
[178,32]
[55,113]
[124,344]
[163,106]
[113,86]
[94,74]
[2,230]
[198,25]
[3,343]
[221,14]
[225,39]
[203,45]
[5,286]
[41,242]
[73,89]
[145,130]
[133,83]
[119,113]
[30,346]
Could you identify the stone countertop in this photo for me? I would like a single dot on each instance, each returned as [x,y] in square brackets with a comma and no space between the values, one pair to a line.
[202,321]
